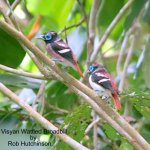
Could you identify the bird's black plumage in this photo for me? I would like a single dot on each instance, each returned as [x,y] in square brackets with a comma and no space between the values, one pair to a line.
[107,84]
[67,55]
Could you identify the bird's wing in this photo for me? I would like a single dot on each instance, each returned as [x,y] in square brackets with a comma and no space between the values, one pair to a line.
[102,80]
[61,48]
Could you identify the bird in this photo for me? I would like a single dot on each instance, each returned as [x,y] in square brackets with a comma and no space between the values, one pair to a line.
[60,51]
[102,82]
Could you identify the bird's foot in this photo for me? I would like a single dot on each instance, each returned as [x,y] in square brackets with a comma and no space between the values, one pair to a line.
[104,97]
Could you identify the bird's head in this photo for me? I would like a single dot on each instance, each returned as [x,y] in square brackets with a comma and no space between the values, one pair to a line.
[49,37]
[94,67]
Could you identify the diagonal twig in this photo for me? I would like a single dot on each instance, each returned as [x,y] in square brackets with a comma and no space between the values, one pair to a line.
[22,73]
[110,28]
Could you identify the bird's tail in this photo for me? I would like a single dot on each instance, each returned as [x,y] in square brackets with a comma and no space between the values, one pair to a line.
[78,69]
[116,101]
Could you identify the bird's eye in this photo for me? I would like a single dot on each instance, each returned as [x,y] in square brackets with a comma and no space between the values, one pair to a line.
[48,37]
[91,68]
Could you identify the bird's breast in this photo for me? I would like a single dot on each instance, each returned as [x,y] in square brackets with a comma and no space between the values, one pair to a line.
[95,86]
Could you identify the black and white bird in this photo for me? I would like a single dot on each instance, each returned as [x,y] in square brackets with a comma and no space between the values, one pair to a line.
[102,82]
[60,51]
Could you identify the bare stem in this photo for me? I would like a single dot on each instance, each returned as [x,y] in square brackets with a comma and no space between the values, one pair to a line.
[13,6]
[60,110]
[95,139]
[72,26]
[129,55]
[92,124]
[121,54]
[92,26]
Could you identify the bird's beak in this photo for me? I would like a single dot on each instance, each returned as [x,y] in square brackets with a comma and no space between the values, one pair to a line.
[40,37]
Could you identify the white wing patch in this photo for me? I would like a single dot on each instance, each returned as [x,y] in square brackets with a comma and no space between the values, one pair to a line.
[103,80]
[64,51]
[100,74]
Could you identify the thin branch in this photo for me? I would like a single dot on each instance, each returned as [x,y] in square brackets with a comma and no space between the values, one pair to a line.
[83,10]
[90,126]
[39,65]
[121,54]
[70,81]
[6,8]
[110,28]
[22,73]
[123,48]
[13,6]
[40,98]
[72,26]
[3,11]
[60,110]
[129,55]
[92,26]
[41,120]
[95,139]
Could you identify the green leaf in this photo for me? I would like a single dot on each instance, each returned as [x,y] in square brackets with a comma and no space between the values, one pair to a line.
[11,52]
[111,132]
[108,11]
[58,11]
[136,7]
[146,16]
[19,82]
[76,123]
[145,132]
[145,111]
[125,146]
[58,94]
[137,96]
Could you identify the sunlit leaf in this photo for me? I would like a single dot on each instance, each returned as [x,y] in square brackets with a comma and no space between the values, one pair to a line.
[125,146]
[111,132]
[52,9]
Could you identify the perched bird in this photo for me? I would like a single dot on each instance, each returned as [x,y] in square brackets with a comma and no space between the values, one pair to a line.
[102,82]
[60,51]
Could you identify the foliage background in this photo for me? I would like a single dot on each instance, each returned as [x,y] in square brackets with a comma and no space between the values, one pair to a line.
[63,107]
